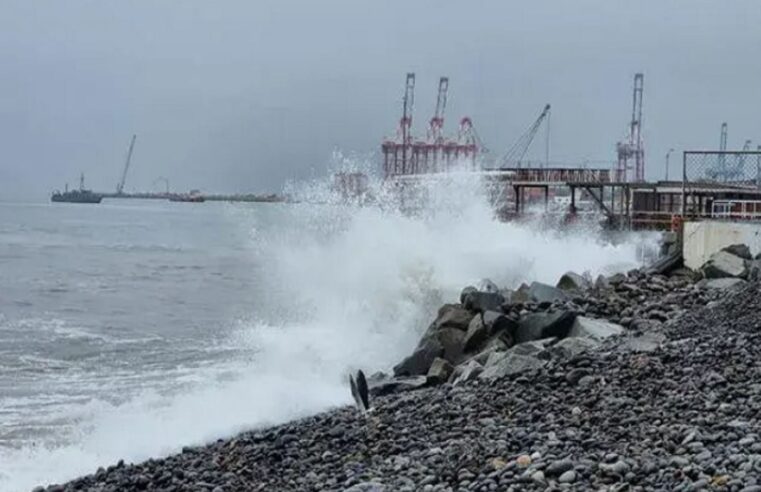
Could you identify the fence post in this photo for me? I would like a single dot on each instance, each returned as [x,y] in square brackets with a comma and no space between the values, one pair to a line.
[684,181]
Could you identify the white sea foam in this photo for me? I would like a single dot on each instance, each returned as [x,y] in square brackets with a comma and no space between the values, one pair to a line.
[346,287]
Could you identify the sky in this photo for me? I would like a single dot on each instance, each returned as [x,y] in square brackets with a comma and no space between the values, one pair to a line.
[243,96]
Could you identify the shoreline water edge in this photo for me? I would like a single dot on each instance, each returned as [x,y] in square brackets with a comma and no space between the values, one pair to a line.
[635,381]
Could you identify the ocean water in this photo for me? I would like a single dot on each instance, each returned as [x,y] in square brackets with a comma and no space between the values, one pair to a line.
[132,328]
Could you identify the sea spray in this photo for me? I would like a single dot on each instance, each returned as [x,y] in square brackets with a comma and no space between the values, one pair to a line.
[346,287]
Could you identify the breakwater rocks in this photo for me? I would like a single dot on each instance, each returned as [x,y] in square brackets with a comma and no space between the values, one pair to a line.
[641,381]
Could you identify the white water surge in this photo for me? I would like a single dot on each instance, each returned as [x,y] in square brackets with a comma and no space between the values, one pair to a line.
[343,287]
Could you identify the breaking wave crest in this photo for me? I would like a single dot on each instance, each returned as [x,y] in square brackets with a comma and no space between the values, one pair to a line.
[345,287]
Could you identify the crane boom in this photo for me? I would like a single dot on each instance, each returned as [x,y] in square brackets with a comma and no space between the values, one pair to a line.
[516,153]
[437,122]
[120,185]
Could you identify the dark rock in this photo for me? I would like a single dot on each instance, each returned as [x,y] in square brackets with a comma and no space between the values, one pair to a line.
[740,250]
[497,323]
[574,346]
[476,335]
[440,371]
[396,385]
[421,359]
[539,292]
[594,328]
[453,316]
[467,290]
[466,372]
[558,467]
[506,364]
[544,325]
[724,264]
[480,302]
[573,282]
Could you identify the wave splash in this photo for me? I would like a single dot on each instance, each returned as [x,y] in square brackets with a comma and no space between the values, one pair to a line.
[346,287]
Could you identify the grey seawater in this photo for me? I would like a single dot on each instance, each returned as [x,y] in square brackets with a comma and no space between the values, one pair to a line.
[101,302]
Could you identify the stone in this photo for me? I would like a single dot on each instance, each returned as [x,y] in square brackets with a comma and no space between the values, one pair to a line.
[453,316]
[511,364]
[464,293]
[602,283]
[486,285]
[479,302]
[467,372]
[420,360]
[523,460]
[539,292]
[476,335]
[558,467]
[534,348]
[452,340]
[497,323]
[521,295]
[567,477]
[724,264]
[440,371]
[544,325]
[396,385]
[739,250]
[721,283]
[573,346]
[573,282]
[594,328]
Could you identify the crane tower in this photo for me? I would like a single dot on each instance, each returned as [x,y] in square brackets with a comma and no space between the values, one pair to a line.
[631,153]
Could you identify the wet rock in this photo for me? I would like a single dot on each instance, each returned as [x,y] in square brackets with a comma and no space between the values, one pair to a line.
[420,360]
[539,292]
[396,385]
[497,323]
[476,335]
[571,347]
[721,283]
[480,302]
[594,328]
[453,316]
[739,250]
[467,372]
[544,325]
[724,264]
[440,371]
[506,364]
[573,282]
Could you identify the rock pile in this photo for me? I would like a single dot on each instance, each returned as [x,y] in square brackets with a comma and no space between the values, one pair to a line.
[634,382]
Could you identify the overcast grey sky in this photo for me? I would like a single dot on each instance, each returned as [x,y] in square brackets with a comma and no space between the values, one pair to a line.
[243,95]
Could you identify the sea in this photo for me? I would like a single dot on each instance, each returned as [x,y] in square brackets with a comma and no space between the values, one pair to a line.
[132,328]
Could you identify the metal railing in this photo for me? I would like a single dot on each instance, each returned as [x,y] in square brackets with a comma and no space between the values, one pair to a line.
[736,209]
[708,173]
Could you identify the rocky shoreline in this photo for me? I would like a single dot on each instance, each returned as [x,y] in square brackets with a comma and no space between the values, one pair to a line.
[639,381]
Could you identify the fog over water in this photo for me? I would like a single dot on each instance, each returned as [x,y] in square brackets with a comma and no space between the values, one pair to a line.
[246,95]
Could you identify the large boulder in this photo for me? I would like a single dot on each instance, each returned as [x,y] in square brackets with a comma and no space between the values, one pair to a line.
[476,335]
[480,301]
[510,364]
[418,363]
[544,325]
[539,292]
[535,348]
[466,372]
[573,282]
[497,323]
[396,385]
[453,341]
[439,371]
[573,346]
[740,250]
[453,316]
[724,264]
[594,328]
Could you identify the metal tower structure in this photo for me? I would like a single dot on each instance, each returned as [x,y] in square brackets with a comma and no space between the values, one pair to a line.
[631,153]
[120,185]
[405,155]
[436,125]
[515,154]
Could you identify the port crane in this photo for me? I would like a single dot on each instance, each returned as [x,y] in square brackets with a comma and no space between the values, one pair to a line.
[633,149]
[436,124]
[514,156]
[120,185]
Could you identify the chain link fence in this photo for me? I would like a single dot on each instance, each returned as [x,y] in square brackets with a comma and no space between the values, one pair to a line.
[706,173]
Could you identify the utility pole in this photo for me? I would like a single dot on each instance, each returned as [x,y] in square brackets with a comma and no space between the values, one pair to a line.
[668,154]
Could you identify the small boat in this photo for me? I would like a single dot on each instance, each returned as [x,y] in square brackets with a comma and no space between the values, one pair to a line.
[82,195]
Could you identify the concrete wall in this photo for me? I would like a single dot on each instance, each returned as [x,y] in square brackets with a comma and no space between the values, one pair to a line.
[702,239]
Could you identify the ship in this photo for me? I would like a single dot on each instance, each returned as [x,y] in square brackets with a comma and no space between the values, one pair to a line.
[82,195]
